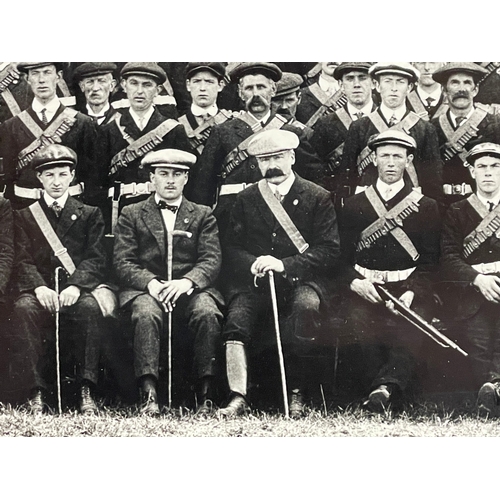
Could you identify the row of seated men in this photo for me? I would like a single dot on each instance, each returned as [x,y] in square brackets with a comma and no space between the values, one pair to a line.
[112,156]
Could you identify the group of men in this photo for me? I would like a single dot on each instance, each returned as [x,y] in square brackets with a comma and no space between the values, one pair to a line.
[202,234]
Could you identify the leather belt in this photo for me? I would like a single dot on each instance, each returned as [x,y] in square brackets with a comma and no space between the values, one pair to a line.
[233,188]
[133,189]
[487,267]
[461,189]
[36,193]
[386,276]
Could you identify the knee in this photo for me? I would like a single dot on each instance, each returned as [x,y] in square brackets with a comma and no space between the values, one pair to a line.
[145,308]
[306,300]
[203,306]
[87,306]
[27,306]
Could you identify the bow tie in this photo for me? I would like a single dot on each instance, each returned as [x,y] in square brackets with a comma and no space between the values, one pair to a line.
[162,205]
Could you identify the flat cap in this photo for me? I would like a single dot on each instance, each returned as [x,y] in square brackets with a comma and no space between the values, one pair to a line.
[480,150]
[150,69]
[346,67]
[216,68]
[24,67]
[271,142]
[395,68]
[93,69]
[251,68]
[173,158]
[288,83]
[443,73]
[392,138]
[53,155]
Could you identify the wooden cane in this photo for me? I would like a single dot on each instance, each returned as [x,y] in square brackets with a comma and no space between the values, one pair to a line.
[58,357]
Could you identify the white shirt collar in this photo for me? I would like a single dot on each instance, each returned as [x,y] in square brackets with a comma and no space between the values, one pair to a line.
[263,119]
[51,106]
[366,110]
[60,201]
[283,188]
[454,117]
[436,94]
[199,111]
[388,191]
[145,118]
[101,113]
[388,113]
[176,203]
[484,201]
[325,85]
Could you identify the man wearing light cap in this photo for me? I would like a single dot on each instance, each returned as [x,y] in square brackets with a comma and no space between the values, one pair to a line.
[464,125]
[225,167]
[44,122]
[286,225]
[134,132]
[393,81]
[55,223]
[330,131]
[141,265]
[471,266]
[390,236]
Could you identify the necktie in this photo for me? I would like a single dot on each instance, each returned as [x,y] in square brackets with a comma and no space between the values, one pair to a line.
[393,121]
[278,196]
[491,206]
[141,123]
[359,115]
[459,120]
[162,205]
[97,118]
[57,209]
[430,100]
[45,121]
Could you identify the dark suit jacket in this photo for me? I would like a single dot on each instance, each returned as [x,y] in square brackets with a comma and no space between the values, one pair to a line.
[254,231]
[109,115]
[140,252]
[14,137]
[6,245]
[427,159]
[386,253]
[431,110]
[80,229]
[460,220]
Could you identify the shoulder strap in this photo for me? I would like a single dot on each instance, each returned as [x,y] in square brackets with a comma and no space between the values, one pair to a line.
[344,117]
[35,129]
[121,128]
[282,217]
[52,239]
[489,226]
[417,105]
[330,105]
[318,92]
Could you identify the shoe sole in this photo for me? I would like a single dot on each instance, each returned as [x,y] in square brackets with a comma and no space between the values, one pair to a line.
[487,400]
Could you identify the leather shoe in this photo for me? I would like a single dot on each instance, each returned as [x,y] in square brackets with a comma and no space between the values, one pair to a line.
[149,404]
[87,403]
[379,399]
[36,403]
[488,398]
[296,404]
[205,409]
[237,406]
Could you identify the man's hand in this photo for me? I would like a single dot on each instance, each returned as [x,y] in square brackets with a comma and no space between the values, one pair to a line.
[266,263]
[69,296]
[406,299]
[365,289]
[174,289]
[489,286]
[155,288]
[48,298]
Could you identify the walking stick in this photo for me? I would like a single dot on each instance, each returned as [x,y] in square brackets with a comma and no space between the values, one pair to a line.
[274,300]
[170,249]
[58,358]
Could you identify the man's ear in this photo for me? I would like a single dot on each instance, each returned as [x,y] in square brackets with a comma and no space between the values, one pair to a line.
[81,85]
[188,85]
[112,85]
[410,158]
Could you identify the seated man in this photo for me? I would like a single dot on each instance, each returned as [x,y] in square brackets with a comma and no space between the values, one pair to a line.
[298,241]
[390,237]
[55,223]
[471,256]
[154,281]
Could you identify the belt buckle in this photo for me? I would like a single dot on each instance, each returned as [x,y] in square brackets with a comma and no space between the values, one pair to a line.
[141,188]
[488,268]
[457,188]
[380,275]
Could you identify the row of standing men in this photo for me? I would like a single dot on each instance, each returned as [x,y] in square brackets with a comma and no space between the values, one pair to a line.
[337,152]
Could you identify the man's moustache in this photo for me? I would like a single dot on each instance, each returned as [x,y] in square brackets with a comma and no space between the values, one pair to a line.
[461,94]
[256,99]
[274,172]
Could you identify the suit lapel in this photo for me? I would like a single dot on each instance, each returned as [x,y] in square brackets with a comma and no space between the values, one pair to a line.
[184,217]
[294,198]
[129,125]
[153,221]
[71,213]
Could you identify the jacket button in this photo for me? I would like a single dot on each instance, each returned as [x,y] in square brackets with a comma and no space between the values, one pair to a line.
[274,235]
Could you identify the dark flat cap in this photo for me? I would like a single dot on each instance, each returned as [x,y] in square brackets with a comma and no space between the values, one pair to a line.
[484,149]
[173,158]
[150,69]
[216,68]
[26,66]
[93,69]
[395,68]
[289,82]
[251,68]
[444,72]
[392,138]
[346,67]
[53,155]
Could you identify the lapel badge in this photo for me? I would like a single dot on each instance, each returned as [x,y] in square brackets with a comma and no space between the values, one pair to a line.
[295,202]
[74,217]
[186,220]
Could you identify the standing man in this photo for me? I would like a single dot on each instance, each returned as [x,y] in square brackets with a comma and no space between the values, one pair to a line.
[15,93]
[140,260]
[330,131]
[225,167]
[390,237]
[59,225]
[96,80]
[45,121]
[134,132]
[464,125]
[427,99]
[471,264]
[393,81]
[297,239]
